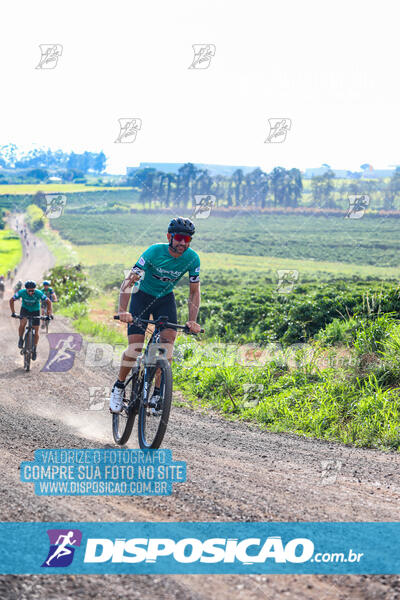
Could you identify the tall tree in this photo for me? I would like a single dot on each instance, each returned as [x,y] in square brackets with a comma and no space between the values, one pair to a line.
[237,177]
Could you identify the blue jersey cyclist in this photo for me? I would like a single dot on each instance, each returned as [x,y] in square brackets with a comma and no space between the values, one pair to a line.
[31,298]
[154,275]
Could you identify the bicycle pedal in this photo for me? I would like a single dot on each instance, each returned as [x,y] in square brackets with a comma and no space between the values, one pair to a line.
[21,352]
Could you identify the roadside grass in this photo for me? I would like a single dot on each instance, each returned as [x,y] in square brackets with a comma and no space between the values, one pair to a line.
[62,250]
[333,404]
[10,250]
[97,331]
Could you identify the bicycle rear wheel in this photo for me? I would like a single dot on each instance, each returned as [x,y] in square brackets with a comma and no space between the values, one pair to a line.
[122,423]
[152,425]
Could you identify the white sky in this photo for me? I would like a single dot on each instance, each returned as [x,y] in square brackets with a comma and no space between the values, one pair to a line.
[331,67]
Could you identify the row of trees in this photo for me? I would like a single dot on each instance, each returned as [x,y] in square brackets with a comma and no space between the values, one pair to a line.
[324,191]
[279,188]
[256,188]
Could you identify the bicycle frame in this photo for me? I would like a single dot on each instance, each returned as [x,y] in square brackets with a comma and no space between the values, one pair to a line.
[142,366]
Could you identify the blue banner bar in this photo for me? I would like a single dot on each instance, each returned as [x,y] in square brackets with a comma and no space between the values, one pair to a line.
[150,548]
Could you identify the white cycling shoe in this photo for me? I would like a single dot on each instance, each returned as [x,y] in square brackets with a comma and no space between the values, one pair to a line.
[116,398]
[155,405]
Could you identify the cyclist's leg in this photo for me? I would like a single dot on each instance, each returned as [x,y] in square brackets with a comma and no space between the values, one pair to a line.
[166,306]
[135,345]
[36,338]
[21,328]
[141,306]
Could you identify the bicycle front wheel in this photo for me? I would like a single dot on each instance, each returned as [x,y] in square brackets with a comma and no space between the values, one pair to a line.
[153,421]
[122,423]
[28,346]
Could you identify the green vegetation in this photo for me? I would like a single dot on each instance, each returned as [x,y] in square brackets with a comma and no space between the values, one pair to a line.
[61,249]
[14,189]
[70,284]
[319,361]
[367,241]
[10,250]
[331,403]
[35,217]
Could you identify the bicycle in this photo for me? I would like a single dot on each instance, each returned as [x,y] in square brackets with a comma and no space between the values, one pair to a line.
[46,323]
[138,390]
[27,348]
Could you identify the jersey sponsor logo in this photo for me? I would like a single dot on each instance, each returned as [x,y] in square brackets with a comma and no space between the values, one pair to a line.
[162,278]
[194,279]
[197,269]
[161,270]
[141,261]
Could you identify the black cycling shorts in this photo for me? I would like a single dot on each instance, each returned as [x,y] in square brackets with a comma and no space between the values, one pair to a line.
[30,313]
[143,305]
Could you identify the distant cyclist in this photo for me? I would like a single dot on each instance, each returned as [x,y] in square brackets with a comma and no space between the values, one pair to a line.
[49,293]
[31,298]
[159,268]
[18,286]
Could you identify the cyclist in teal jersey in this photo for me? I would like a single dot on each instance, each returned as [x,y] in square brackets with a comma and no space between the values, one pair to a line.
[31,298]
[154,276]
[50,293]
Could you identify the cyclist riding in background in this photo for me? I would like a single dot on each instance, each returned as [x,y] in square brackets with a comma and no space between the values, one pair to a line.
[159,269]
[49,293]
[18,286]
[31,298]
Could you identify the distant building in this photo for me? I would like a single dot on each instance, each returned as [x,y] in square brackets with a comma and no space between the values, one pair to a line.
[225,170]
[318,171]
[346,174]
[377,173]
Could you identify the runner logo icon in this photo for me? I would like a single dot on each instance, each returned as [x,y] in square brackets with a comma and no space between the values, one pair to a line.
[63,347]
[62,547]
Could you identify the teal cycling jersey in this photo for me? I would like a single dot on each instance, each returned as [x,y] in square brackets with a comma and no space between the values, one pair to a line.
[162,271]
[30,303]
[49,292]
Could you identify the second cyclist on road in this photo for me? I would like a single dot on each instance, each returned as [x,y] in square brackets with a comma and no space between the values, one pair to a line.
[49,293]
[31,298]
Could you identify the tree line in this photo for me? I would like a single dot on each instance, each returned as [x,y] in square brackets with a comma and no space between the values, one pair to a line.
[279,188]
[40,161]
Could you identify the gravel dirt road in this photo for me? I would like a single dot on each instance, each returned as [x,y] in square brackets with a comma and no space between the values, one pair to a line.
[234,472]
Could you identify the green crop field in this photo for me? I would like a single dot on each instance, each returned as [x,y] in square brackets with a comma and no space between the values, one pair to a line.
[10,250]
[368,241]
[17,189]
[125,255]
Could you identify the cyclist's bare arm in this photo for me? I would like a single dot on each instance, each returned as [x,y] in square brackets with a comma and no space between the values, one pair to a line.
[194,305]
[49,307]
[125,294]
[12,307]
[54,297]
